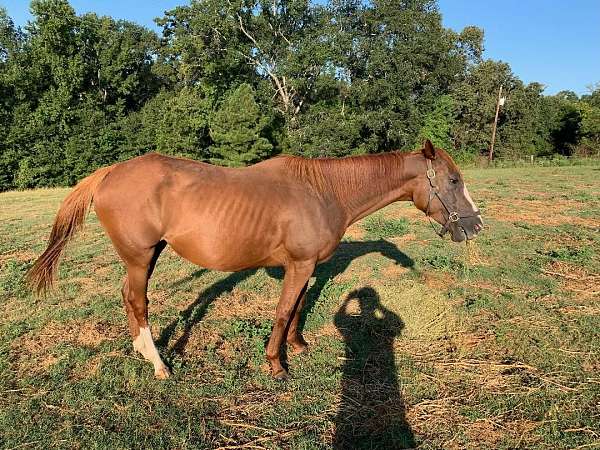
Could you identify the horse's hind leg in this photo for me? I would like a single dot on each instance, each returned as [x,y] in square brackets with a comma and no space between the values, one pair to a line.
[135,286]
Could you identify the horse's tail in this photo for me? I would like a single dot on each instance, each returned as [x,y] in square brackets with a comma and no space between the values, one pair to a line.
[68,221]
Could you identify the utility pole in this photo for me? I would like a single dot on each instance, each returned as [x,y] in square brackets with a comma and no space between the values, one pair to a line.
[498,104]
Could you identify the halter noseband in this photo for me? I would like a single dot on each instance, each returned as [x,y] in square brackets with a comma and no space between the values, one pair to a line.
[453,216]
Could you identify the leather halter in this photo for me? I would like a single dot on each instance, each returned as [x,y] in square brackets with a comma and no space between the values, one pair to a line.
[453,216]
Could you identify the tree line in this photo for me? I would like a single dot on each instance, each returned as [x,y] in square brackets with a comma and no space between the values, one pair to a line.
[235,81]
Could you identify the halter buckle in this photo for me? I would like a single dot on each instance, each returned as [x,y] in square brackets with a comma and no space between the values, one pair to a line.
[430,174]
[453,217]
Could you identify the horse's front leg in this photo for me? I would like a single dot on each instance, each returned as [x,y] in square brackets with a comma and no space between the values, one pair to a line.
[294,337]
[294,282]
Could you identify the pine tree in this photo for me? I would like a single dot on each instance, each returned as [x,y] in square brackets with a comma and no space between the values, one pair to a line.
[236,129]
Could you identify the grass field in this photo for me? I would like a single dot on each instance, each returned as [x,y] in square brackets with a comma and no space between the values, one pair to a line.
[414,341]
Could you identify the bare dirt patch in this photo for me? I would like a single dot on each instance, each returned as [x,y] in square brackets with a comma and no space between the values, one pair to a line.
[91,285]
[395,271]
[355,232]
[472,340]
[359,269]
[330,330]
[575,278]
[405,238]
[438,280]
[484,434]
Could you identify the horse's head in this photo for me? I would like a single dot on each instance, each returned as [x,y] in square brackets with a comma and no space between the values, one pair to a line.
[441,193]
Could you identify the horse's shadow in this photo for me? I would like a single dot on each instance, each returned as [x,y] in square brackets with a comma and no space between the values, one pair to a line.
[371,411]
[343,256]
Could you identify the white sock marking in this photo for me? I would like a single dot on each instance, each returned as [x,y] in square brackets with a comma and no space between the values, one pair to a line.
[145,345]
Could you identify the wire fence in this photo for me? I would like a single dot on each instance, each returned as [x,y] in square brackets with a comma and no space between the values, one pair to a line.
[552,161]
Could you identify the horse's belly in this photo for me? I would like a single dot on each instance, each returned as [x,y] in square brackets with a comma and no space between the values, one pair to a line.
[228,250]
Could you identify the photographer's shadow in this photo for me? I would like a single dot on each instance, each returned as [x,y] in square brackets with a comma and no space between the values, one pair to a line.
[340,261]
[371,413]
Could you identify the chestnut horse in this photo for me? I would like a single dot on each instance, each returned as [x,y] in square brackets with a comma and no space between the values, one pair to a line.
[287,211]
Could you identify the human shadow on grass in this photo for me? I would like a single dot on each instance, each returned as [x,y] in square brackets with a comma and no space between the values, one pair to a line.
[371,413]
[344,255]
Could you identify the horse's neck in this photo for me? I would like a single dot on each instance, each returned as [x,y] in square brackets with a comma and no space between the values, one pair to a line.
[371,183]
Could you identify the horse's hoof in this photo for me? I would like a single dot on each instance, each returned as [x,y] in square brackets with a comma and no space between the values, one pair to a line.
[281,375]
[162,373]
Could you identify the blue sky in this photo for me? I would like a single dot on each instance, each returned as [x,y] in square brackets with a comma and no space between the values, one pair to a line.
[555,42]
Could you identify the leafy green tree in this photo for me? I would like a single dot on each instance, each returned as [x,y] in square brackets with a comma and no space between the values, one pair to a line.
[589,129]
[9,42]
[119,58]
[275,43]
[589,110]
[324,131]
[75,78]
[183,128]
[237,130]
[237,81]
[564,132]
[398,60]
[439,123]
[518,133]
[593,98]
[10,37]
[475,98]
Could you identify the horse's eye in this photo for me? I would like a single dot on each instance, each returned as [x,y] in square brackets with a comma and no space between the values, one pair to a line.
[453,180]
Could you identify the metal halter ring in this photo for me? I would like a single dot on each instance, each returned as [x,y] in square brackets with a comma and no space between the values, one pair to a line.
[453,217]
[430,173]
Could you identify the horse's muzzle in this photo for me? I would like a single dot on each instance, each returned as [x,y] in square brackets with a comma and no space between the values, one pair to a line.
[466,228]
[472,226]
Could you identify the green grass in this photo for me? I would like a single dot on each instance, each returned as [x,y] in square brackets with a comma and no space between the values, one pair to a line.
[413,341]
[377,226]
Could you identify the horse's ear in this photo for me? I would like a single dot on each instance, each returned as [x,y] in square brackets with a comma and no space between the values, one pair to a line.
[428,150]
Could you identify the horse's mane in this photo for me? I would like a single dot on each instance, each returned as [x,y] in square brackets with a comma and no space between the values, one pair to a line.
[326,174]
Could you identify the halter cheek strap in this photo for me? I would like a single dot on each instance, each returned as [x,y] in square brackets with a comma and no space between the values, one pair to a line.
[453,216]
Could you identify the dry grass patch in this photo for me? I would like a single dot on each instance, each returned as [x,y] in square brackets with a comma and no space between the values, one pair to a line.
[576,279]
[403,239]
[18,255]
[473,340]
[424,311]
[243,305]
[199,340]
[329,329]
[539,212]
[34,352]
[438,419]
